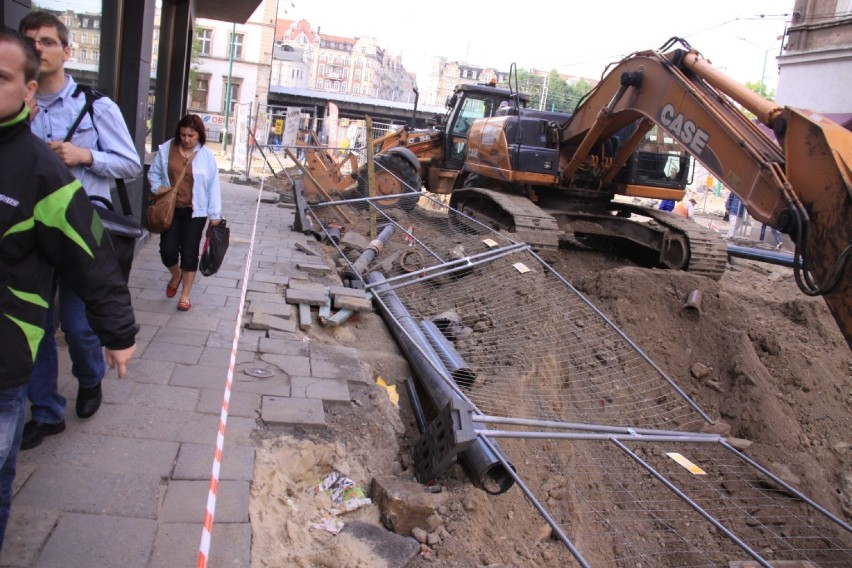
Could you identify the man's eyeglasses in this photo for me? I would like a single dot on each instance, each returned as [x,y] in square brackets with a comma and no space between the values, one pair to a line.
[44,42]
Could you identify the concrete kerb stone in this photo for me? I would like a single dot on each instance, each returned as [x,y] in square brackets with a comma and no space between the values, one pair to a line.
[300,411]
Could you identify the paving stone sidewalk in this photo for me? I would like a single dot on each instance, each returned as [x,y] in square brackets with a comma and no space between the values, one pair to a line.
[128,487]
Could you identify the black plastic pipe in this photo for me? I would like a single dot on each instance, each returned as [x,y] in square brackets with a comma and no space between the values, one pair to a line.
[481,464]
[452,359]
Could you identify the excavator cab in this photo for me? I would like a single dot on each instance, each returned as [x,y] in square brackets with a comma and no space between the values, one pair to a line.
[471,102]
[660,168]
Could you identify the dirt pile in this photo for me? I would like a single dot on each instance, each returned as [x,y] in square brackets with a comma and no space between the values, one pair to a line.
[765,362]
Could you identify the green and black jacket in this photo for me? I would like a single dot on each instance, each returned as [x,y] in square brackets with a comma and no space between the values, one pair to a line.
[47,223]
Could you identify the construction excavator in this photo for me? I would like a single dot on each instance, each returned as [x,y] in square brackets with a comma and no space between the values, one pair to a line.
[547,179]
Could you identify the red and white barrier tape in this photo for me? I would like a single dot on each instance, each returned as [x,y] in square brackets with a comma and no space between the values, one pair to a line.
[207,529]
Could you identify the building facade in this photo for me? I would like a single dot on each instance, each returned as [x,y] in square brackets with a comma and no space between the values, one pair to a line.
[356,66]
[817,56]
[248,69]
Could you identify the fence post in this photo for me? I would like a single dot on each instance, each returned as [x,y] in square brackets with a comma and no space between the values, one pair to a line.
[371,175]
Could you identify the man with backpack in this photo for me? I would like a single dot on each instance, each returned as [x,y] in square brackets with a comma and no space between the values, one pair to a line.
[99,151]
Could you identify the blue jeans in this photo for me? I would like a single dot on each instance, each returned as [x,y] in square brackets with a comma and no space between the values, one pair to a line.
[84,347]
[13,408]
[775,233]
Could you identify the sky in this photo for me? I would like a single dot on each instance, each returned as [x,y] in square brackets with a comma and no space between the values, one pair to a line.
[576,38]
[740,37]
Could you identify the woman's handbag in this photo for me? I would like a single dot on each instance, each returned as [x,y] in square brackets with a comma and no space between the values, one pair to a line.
[161,209]
[215,247]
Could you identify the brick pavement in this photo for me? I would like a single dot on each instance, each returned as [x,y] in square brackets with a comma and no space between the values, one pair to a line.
[128,487]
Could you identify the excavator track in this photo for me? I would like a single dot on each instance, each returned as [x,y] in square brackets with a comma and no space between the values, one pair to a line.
[708,255]
[513,213]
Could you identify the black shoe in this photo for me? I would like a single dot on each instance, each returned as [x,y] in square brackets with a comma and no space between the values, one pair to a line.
[35,432]
[88,401]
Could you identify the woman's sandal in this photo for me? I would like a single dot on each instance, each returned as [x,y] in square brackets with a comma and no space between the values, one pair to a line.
[172,292]
[184,306]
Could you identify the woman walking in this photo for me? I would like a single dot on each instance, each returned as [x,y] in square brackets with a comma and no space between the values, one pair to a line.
[198,199]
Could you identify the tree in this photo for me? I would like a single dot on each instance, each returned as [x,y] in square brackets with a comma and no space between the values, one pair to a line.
[552,92]
[761,89]
[194,61]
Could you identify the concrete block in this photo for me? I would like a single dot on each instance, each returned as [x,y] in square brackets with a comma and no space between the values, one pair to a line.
[280,309]
[290,364]
[346,291]
[323,389]
[176,544]
[163,351]
[307,249]
[271,298]
[302,284]
[403,504]
[309,297]
[284,346]
[353,303]
[302,411]
[265,321]
[26,533]
[271,277]
[245,404]
[80,538]
[264,287]
[194,462]
[305,319]
[75,488]
[389,549]
[314,268]
[185,502]
[355,240]
[164,396]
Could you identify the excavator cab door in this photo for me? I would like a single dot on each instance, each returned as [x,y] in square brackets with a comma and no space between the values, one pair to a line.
[469,107]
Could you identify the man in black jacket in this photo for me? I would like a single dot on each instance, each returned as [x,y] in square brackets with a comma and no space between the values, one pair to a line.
[46,222]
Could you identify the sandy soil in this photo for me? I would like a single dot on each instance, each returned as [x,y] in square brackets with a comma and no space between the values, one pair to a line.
[768,362]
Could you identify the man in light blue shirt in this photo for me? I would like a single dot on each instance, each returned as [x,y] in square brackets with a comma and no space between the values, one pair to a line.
[99,151]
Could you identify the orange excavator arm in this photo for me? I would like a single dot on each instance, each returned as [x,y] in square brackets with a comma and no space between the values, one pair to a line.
[802,187]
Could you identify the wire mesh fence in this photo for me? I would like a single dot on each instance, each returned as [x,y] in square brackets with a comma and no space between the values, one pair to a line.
[590,424]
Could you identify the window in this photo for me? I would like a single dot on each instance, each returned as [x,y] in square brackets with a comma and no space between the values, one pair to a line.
[85,22]
[319,83]
[73,37]
[96,24]
[235,93]
[357,75]
[323,57]
[327,84]
[321,69]
[238,45]
[84,54]
[84,38]
[345,72]
[205,40]
[96,55]
[199,92]
[96,39]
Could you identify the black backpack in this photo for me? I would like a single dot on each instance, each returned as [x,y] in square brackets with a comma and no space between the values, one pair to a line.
[122,229]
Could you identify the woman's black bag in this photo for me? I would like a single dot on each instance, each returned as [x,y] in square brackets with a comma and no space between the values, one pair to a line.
[122,231]
[215,247]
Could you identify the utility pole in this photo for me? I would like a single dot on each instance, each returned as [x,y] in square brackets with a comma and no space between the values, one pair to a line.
[228,87]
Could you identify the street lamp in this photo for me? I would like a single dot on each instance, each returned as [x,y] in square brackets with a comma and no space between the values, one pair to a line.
[228,88]
[765,59]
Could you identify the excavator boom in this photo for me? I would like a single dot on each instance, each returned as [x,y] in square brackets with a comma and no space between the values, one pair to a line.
[802,186]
